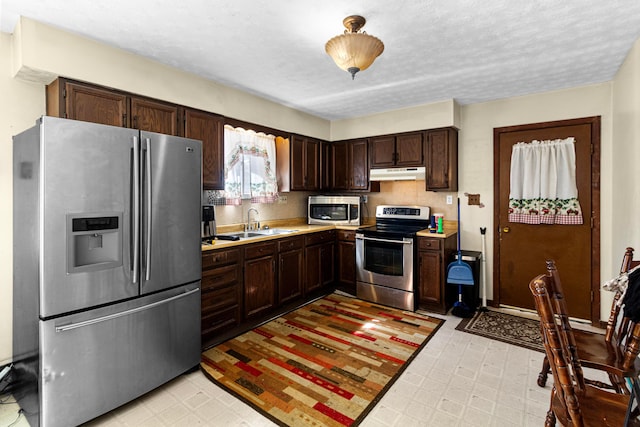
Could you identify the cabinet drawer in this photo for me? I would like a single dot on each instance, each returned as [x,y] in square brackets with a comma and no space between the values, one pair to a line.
[260,250]
[290,243]
[347,235]
[218,258]
[219,322]
[220,277]
[218,300]
[429,244]
[321,237]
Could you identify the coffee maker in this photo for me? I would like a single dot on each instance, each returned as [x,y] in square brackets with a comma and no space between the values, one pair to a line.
[208,223]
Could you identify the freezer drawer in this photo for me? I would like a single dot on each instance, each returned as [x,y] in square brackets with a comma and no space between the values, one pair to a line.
[95,361]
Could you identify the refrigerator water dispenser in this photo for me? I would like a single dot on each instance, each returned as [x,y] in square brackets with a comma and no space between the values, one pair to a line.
[93,242]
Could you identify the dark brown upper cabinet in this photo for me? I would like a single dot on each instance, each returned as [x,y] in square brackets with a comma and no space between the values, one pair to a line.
[154,116]
[305,163]
[208,128]
[442,160]
[350,164]
[91,103]
[326,166]
[401,150]
[79,101]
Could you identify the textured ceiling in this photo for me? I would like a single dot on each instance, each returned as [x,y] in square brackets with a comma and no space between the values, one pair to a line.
[468,50]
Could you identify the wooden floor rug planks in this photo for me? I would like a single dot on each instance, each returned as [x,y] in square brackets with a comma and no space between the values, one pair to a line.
[325,364]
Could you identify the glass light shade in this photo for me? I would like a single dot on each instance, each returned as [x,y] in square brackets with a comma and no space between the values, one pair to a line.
[354,52]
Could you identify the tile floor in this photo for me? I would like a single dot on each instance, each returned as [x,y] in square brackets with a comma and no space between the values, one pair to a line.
[458,379]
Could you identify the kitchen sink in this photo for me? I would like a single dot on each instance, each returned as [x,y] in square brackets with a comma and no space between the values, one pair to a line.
[273,231]
[258,233]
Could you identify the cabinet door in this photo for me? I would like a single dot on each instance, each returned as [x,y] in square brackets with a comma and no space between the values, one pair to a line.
[409,151]
[340,165]
[93,104]
[326,167]
[208,128]
[259,286]
[313,279]
[347,264]
[430,267]
[312,165]
[327,264]
[383,151]
[305,163]
[442,160]
[154,116]
[297,170]
[320,268]
[359,165]
[290,275]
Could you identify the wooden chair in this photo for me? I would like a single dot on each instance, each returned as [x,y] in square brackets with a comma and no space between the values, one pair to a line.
[615,352]
[573,401]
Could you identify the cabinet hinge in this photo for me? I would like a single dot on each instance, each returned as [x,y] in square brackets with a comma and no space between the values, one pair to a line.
[64,92]
[591,296]
[592,221]
[592,149]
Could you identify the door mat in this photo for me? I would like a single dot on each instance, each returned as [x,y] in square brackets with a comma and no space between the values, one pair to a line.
[504,327]
[325,364]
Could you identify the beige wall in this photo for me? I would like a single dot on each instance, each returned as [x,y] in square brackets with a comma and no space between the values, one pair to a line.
[625,155]
[429,116]
[42,53]
[20,105]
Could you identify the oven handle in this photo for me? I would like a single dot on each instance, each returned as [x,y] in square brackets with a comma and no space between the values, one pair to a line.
[403,241]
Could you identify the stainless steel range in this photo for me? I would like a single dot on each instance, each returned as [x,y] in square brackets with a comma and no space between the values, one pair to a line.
[386,270]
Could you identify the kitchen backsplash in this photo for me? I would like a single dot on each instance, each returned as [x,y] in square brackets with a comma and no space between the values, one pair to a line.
[294,204]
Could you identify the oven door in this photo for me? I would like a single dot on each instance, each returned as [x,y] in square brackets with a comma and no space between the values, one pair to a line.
[385,261]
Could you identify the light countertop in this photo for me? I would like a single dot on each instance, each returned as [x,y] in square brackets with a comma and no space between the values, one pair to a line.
[302,228]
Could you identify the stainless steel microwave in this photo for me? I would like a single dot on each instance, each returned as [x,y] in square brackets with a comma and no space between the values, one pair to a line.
[338,210]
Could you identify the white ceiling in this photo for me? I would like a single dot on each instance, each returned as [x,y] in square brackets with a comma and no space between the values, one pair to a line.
[468,50]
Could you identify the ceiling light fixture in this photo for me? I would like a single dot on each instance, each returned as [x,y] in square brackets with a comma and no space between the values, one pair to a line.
[354,51]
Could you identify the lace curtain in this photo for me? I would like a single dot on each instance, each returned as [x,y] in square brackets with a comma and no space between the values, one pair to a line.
[543,183]
[249,168]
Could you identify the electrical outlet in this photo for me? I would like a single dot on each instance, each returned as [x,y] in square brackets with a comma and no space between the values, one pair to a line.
[365,198]
[449,200]
[282,199]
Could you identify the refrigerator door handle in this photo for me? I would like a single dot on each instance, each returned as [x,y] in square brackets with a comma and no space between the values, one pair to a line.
[72,326]
[148,211]
[136,209]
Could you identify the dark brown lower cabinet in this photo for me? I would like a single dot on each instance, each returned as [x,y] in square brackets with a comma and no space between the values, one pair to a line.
[290,269]
[319,260]
[221,298]
[259,278]
[434,255]
[346,260]
[247,284]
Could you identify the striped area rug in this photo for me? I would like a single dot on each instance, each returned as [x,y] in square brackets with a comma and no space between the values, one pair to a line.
[325,364]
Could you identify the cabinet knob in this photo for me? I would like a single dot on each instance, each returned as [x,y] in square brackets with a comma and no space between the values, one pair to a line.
[506,229]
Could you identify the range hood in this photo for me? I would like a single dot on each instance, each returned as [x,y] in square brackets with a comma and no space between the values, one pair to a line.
[397,174]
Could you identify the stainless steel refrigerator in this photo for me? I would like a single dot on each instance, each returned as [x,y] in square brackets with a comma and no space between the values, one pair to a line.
[107,266]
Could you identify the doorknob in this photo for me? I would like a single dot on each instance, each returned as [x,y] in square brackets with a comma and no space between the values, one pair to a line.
[506,229]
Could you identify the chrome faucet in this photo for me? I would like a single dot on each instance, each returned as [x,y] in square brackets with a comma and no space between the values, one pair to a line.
[249,228]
